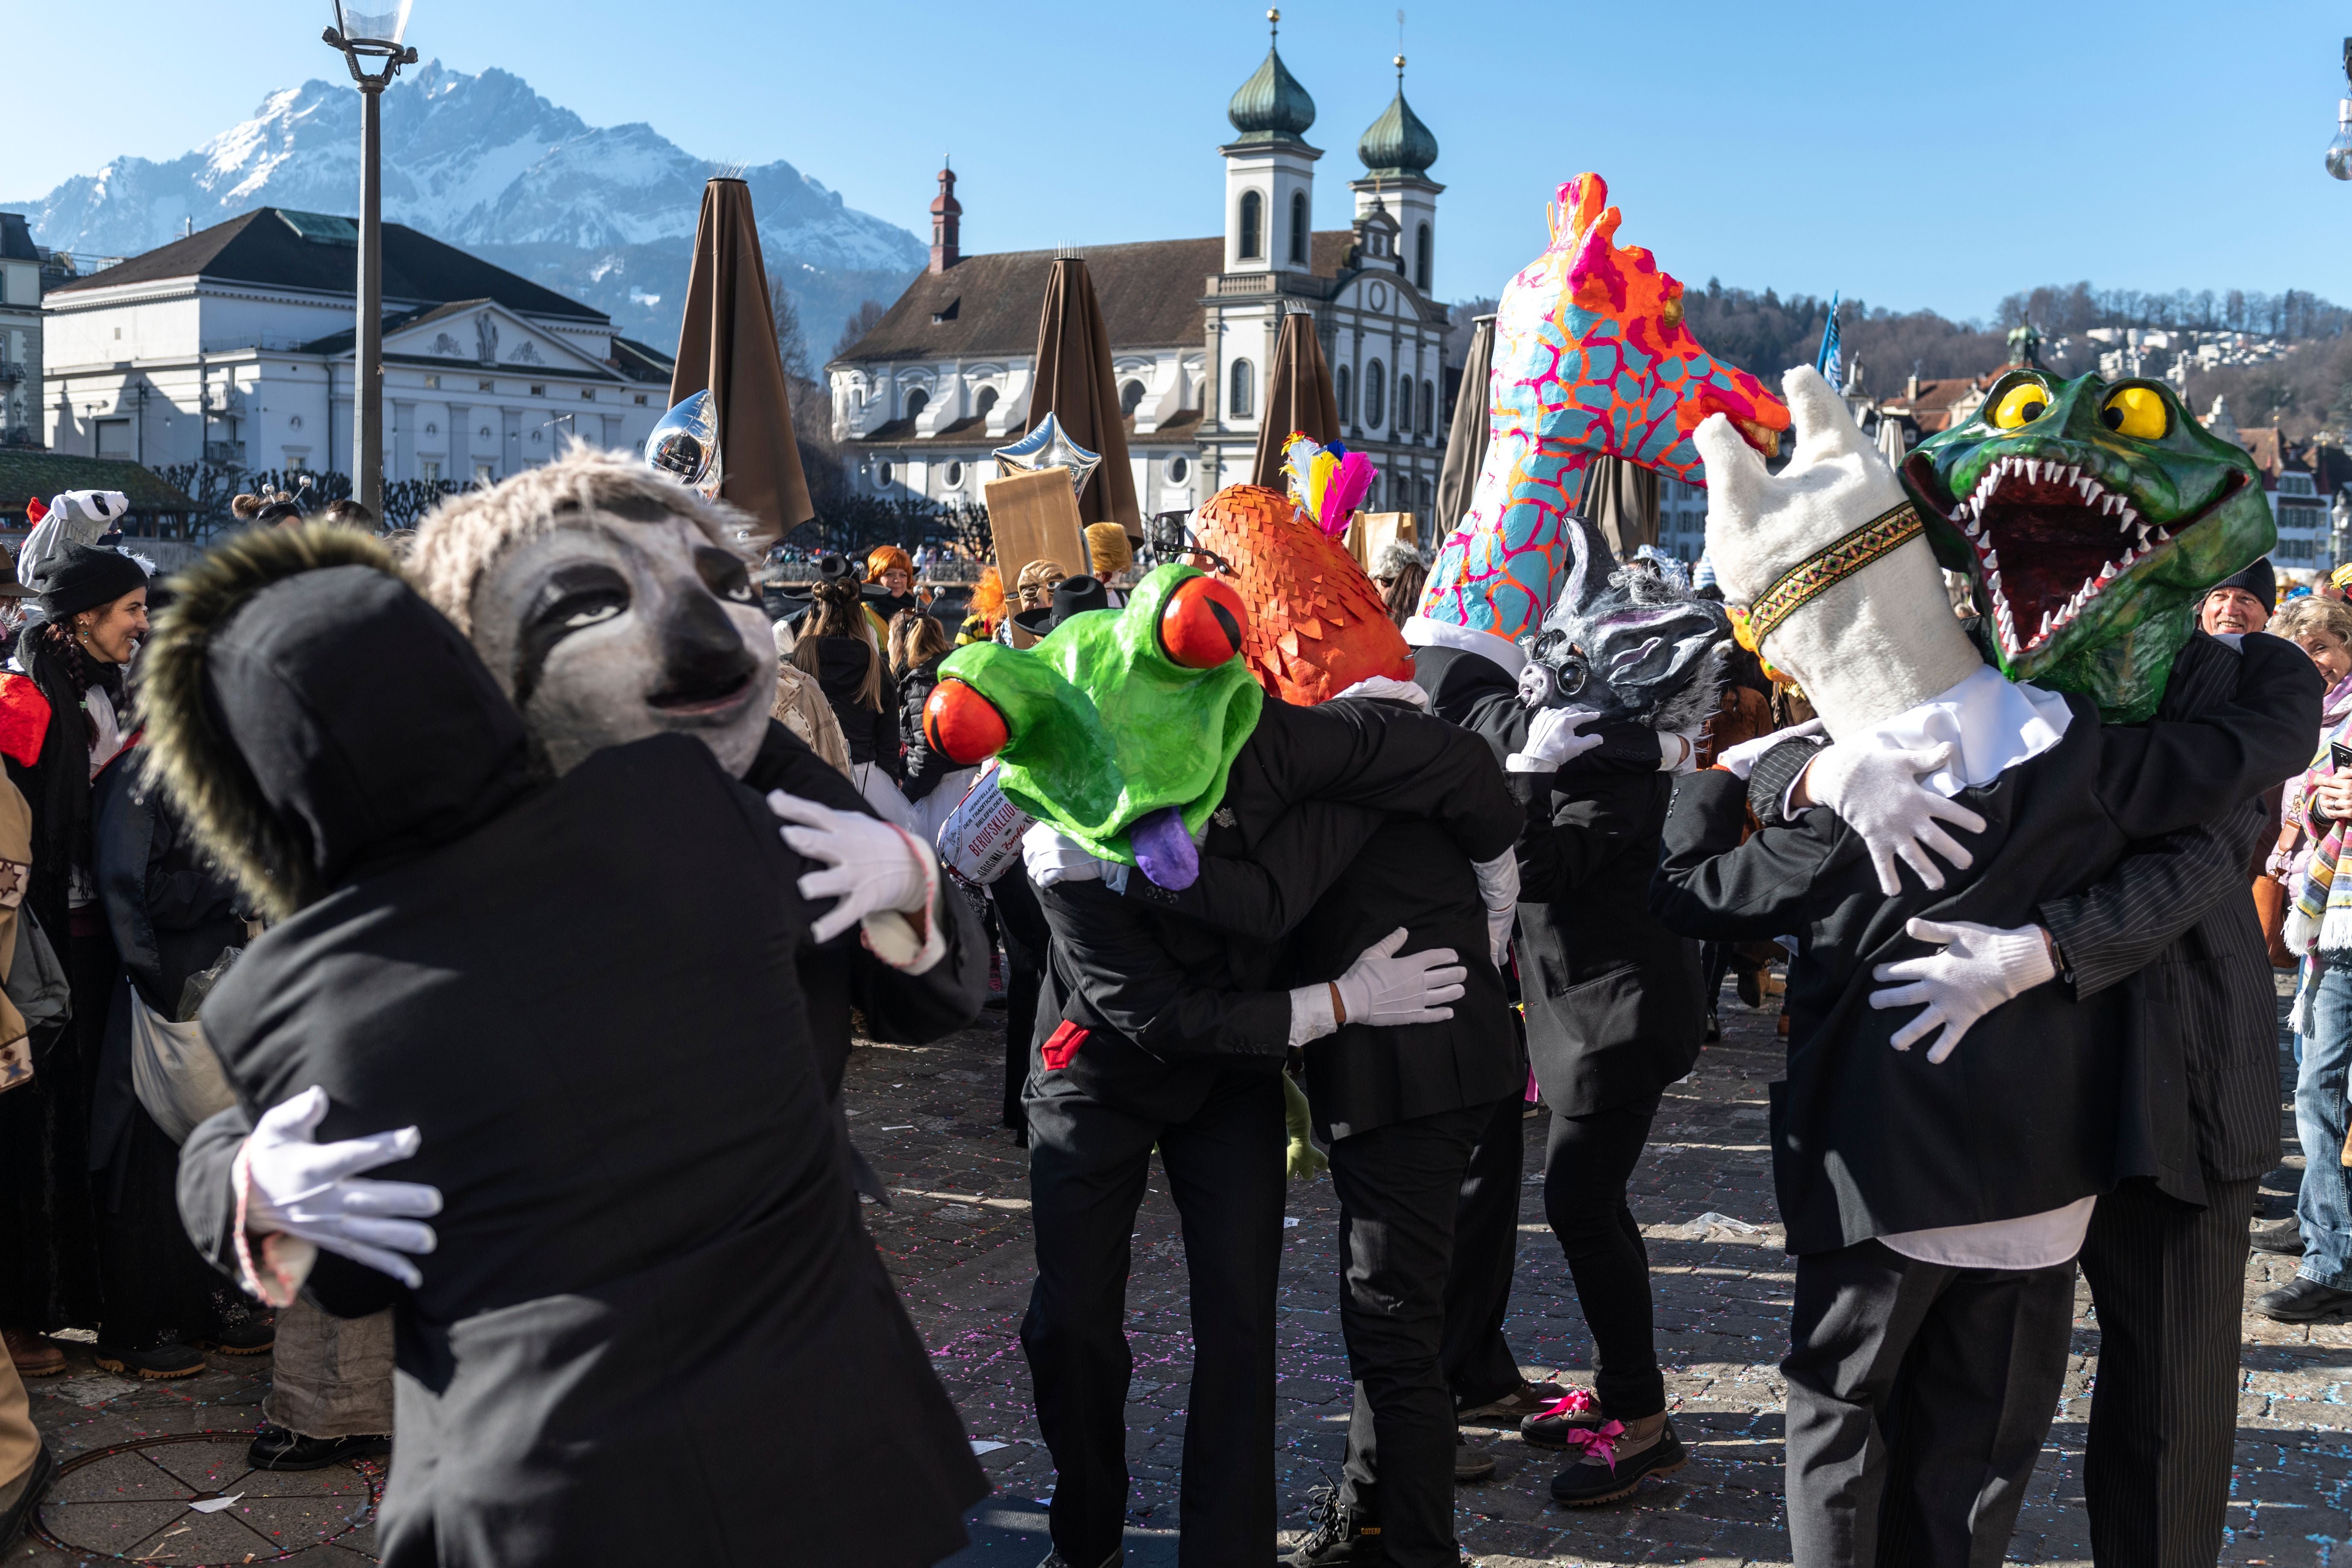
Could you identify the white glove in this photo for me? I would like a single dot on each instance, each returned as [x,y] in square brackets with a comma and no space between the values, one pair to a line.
[870,867]
[1879,794]
[1383,990]
[298,1186]
[1498,889]
[1981,968]
[1740,761]
[1052,855]
[1678,750]
[1552,741]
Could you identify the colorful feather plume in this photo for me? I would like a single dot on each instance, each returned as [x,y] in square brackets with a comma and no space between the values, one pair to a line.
[1326,483]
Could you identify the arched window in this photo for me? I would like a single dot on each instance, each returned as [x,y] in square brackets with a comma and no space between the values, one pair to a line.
[917,401]
[1130,394]
[1344,384]
[1252,244]
[1243,403]
[1428,406]
[1420,495]
[1298,227]
[986,401]
[955,476]
[1179,470]
[1375,394]
[882,475]
[1420,258]
[1404,405]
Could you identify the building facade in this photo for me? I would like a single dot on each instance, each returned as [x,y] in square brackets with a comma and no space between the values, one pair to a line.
[20,333]
[233,347]
[920,402]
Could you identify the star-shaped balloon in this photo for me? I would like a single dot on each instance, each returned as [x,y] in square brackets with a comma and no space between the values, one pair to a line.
[1047,447]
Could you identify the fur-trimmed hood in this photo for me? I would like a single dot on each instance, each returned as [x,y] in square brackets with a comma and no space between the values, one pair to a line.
[314,720]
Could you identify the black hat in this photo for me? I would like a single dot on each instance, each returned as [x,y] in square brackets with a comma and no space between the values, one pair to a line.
[86,577]
[2258,580]
[1072,596]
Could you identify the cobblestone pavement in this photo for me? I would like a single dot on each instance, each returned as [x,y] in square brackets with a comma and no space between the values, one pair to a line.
[957,1241]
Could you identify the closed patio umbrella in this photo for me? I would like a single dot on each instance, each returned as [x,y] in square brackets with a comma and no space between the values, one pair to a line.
[1297,398]
[1466,437]
[1073,383]
[728,345]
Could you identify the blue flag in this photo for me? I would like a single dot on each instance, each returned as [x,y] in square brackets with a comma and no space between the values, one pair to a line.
[1830,362]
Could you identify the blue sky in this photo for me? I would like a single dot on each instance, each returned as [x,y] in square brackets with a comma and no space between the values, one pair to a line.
[1911,155]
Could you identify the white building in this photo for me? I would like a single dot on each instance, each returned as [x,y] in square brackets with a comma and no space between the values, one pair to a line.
[234,346]
[20,334]
[944,378]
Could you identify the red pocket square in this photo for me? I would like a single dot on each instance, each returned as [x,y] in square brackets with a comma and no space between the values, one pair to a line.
[1062,1044]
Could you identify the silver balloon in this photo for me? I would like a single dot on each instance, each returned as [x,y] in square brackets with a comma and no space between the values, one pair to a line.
[1047,447]
[685,444]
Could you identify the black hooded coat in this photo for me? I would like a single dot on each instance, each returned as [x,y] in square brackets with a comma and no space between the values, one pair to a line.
[653,1327]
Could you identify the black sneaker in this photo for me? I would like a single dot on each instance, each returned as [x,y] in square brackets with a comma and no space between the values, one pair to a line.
[1342,1535]
[2301,1301]
[275,1448]
[257,1333]
[170,1359]
[1471,1463]
[2284,1236]
[1574,1410]
[1592,1481]
[28,1501]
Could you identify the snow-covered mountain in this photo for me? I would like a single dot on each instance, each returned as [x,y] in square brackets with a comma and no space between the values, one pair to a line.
[604,214]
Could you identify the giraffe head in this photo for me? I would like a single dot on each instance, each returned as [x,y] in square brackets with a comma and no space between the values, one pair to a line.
[1591,356]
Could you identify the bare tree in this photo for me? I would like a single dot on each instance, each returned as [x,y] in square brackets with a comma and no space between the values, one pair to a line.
[868,317]
[792,343]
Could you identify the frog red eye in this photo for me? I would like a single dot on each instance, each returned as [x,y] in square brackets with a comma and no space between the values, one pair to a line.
[962,725]
[1202,626]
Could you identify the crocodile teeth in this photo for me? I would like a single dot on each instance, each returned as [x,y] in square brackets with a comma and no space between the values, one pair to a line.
[1993,563]
[2162,537]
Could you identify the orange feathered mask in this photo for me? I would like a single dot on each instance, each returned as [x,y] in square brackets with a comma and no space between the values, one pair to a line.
[1316,625]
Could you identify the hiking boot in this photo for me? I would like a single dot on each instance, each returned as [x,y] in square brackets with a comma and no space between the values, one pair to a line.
[2301,1301]
[1343,1534]
[36,1355]
[170,1359]
[2284,1236]
[1471,1463]
[1604,1474]
[257,1333]
[1576,1410]
[275,1448]
[1513,1408]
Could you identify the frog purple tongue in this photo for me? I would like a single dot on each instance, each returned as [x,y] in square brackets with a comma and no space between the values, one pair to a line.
[1164,850]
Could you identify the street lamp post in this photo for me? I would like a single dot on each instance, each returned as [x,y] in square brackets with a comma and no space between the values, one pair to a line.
[2339,152]
[375,34]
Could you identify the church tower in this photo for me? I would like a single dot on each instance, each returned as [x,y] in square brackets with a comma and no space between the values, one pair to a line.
[1270,170]
[1397,150]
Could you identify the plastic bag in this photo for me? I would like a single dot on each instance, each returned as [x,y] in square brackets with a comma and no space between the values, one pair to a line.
[200,984]
[174,1069]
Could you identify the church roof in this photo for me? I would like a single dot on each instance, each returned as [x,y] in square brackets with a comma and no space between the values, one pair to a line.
[286,249]
[986,306]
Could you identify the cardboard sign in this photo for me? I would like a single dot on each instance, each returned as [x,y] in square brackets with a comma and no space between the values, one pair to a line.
[1035,517]
[1370,533]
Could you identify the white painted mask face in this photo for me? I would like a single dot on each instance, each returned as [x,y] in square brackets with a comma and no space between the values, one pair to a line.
[614,627]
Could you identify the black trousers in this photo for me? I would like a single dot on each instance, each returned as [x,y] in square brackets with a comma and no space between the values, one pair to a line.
[1026,937]
[1479,1365]
[1086,1168]
[1587,1162]
[1919,1398]
[1398,1187]
[2170,1281]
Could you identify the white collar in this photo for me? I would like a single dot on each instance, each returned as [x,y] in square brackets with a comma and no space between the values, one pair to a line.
[1995,724]
[1420,631]
[1384,688]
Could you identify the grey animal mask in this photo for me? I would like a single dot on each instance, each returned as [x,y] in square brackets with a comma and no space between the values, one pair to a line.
[624,623]
[1629,642]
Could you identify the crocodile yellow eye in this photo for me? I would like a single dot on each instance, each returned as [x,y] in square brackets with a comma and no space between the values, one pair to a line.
[2020,404]
[2135,411]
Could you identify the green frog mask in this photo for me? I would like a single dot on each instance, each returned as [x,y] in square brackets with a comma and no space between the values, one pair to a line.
[1119,727]
[2091,516]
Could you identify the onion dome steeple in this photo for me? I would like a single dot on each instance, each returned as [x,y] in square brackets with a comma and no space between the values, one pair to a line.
[1271,106]
[1397,145]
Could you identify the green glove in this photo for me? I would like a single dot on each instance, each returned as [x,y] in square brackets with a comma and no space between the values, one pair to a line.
[1306,1160]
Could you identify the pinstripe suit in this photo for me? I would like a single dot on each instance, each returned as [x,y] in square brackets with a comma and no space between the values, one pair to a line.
[2173,925]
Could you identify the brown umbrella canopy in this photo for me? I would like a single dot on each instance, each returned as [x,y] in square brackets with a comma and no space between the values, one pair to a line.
[1465,438]
[728,345]
[1297,398]
[1075,386]
[1622,498]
